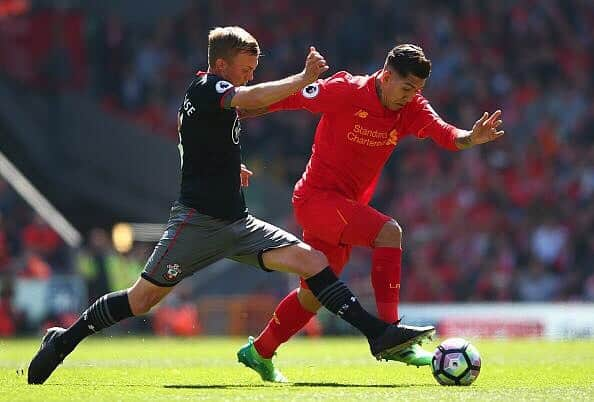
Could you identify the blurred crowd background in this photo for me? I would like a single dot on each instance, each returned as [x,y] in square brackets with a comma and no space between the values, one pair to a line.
[508,221]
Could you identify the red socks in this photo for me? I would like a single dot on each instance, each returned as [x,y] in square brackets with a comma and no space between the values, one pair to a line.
[385,279]
[288,318]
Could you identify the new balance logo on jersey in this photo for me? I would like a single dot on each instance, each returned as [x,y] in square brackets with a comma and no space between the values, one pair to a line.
[362,114]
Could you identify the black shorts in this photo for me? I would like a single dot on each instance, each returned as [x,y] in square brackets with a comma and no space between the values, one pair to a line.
[193,241]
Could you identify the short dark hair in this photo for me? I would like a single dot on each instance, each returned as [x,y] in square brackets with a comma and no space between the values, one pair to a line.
[226,42]
[408,59]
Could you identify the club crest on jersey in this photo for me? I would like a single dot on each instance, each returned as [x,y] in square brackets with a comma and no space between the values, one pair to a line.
[311,91]
[235,131]
[173,271]
[393,140]
[222,86]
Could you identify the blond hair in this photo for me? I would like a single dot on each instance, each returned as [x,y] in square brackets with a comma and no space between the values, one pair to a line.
[226,42]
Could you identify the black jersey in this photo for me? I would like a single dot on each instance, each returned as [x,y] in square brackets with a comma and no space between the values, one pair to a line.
[209,149]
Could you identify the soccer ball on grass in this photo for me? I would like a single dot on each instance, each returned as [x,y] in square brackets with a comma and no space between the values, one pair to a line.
[456,362]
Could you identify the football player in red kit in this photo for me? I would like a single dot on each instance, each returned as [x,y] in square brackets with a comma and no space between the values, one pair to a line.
[363,119]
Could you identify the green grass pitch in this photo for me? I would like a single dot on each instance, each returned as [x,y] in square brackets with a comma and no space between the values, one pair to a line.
[325,369]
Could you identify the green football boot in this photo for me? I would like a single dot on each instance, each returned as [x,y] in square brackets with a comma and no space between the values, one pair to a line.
[414,355]
[249,356]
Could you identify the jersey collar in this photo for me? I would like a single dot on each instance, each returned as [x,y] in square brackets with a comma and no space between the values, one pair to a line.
[374,98]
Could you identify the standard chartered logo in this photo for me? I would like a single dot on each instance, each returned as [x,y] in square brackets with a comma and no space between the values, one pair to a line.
[369,133]
[372,138]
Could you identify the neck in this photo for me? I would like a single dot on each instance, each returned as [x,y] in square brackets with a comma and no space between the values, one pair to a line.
[214,70]
[378,90]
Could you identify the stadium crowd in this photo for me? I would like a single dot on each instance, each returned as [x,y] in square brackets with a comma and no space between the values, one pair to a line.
[29,248]
[513,220]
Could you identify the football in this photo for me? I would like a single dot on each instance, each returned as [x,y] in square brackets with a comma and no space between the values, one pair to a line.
[456,362]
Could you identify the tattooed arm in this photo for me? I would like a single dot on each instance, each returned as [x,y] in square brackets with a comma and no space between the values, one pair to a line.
[484,130]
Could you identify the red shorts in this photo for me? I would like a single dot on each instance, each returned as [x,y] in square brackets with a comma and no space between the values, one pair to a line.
[333,224]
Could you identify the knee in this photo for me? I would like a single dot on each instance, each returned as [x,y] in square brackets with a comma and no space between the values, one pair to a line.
[317,259]
[390,235]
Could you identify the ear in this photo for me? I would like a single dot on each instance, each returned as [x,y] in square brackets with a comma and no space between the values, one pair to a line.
[385,75]
[220,64]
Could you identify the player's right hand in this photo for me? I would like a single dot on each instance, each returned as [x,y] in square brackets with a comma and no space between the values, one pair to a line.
[315,65]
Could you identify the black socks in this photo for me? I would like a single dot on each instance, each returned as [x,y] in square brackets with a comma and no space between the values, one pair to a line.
[338,298]
[105,312]
[328,289]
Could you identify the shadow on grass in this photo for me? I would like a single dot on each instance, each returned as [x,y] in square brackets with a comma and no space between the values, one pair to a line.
[242,386]
[337,384]
[296,384]
[86,384]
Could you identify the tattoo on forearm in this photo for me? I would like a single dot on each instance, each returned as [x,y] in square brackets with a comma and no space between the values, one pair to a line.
[464,142]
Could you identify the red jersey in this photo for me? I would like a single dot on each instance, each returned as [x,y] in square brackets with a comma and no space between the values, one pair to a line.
[357,134]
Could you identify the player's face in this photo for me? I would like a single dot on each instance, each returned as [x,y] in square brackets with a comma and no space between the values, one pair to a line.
[240,69]
[397,91]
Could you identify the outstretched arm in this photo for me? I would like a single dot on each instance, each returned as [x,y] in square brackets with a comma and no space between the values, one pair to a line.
[483,131]
[266,93]
[425,122]
[322,96]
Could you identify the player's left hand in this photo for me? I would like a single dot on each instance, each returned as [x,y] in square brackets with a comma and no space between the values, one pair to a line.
[315,64]
[245,175]
[485,128]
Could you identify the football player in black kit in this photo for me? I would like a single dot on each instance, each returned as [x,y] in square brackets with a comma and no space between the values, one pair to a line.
[210,221]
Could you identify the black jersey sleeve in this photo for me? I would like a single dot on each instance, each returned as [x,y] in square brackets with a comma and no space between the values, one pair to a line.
[210,92]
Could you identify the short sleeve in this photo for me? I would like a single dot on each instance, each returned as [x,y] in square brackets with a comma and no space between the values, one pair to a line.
[324,95]
[210,92]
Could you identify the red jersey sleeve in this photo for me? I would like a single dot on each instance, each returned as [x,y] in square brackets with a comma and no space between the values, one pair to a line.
[324,95]
[425,122]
